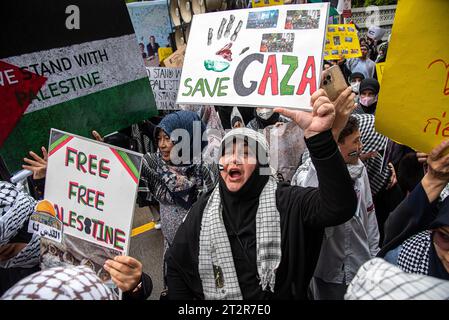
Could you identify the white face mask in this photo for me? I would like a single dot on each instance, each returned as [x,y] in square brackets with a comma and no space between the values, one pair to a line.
[264,113]
[355,87]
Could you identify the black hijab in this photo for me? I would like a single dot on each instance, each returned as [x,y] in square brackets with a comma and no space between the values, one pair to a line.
[240,207]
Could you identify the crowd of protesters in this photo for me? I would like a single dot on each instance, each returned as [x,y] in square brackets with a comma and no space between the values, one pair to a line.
[340,204]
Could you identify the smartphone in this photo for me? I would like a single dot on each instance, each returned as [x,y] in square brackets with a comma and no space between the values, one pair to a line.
[333,82]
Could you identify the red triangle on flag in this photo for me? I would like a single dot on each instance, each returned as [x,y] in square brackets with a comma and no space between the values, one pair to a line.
[18,88]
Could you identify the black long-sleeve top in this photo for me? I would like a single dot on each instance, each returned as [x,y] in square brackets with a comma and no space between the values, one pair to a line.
[304,213]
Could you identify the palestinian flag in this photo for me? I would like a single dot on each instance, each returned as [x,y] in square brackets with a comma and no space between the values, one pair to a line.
[77,80]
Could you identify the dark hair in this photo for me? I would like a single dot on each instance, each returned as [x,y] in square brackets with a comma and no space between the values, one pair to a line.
[351,126]
[120,140]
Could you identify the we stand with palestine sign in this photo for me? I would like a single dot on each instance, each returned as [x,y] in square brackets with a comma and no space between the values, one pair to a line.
[77,80]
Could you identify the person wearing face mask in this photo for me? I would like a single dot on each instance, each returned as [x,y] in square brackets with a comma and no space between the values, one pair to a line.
[264,117]
[354,81]
[369,91]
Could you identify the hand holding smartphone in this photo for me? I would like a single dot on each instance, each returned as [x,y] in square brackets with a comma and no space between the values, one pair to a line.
[333,82]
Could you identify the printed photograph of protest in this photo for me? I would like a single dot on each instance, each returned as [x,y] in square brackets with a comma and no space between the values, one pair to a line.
[262,19]
[277,42]
[302,19]
[348,39]
[74,251]
[336,40]
[351,29]
[354,51]
[341,28]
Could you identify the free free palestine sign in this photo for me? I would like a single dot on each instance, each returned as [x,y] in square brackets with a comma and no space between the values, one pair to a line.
[93,188]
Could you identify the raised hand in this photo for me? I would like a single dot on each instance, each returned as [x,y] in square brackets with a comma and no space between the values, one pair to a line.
[125,271]
[344,105]
[437,176]
[97,136]
[37,164]
[319,120]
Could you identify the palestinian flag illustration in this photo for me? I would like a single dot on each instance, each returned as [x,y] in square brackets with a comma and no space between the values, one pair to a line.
[76,80]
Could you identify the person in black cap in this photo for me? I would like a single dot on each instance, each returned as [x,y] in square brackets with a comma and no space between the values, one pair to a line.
[354,80]
[368,93]
[417,232]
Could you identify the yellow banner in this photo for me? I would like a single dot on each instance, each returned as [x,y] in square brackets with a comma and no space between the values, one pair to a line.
[164,53]
[341,40]
[266,3]
[380,70]
[414,96]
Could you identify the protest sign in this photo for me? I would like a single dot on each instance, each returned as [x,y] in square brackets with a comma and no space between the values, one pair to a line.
[266,3]
[341,40]
[255,57]
[92,187]
[45,223]
[414,98]
[375,32]
[165,83]
[85,79]
[150,18]
[164,53]
[380,66]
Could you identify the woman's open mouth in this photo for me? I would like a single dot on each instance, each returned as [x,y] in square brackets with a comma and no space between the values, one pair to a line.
[235,174]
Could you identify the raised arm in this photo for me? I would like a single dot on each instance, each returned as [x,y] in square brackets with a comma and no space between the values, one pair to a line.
[417,209]
[334,201]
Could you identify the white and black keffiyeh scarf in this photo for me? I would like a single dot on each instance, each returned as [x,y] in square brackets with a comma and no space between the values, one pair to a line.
[216,264]
[378,171]
[414,255]
[61,283]
[380,280]
[15,209]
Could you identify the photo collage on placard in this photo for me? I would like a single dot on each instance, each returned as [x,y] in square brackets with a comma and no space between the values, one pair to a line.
[74,251]
[282,42]
[228,29]
[341,40]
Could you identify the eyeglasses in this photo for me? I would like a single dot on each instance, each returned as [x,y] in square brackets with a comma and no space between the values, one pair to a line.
[441,239]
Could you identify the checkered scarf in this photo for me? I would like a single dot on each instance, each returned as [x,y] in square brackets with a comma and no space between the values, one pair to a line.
[378,172]
[372,140]
[15,210]
[216,264]
[379,280]
[414,255]
[61,283]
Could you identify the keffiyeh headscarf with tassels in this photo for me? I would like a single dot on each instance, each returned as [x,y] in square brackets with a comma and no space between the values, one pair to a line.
[216,264]
[15,209]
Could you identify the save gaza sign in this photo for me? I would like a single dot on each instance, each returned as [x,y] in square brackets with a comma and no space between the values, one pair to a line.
[268,56]
[93,188]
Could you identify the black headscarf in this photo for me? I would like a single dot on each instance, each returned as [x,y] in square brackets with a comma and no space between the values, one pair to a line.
[240,207]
